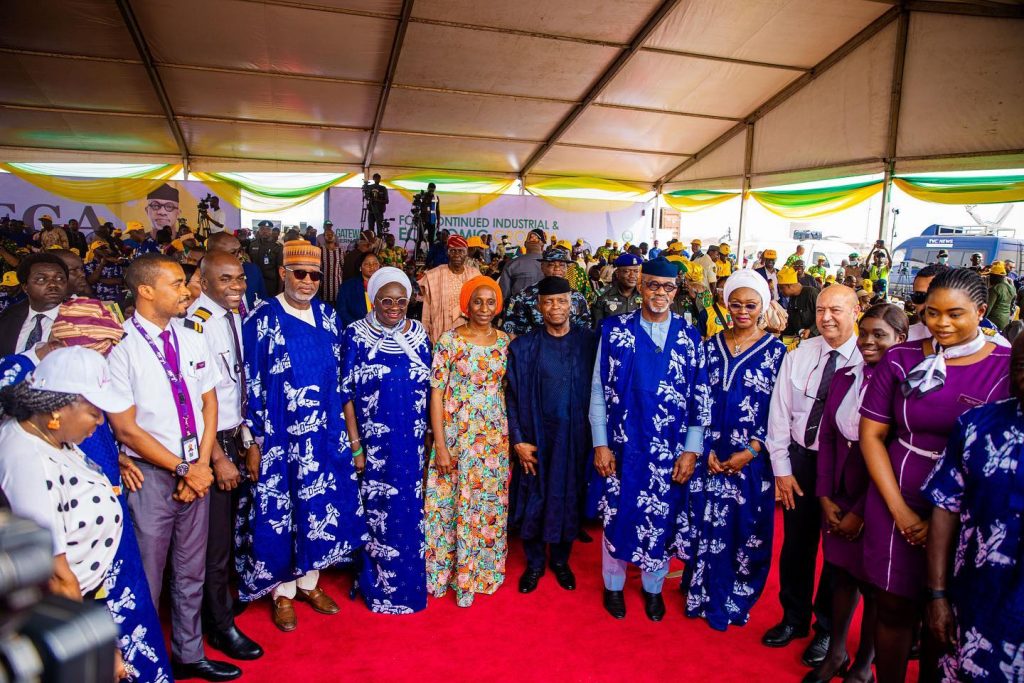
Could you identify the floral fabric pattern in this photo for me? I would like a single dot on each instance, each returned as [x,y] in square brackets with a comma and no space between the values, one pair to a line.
[466,512]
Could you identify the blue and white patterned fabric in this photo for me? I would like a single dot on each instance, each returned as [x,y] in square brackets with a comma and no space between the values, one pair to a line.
[304,512]
[652,394]
[732,515]
[128,598]
[388,388]
[981,478]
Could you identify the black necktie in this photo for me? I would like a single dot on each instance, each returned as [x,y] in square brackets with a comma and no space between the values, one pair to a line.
[814,419]
[239,363]
[36,335]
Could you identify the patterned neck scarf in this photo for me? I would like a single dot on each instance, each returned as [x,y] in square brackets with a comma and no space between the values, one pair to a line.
[397,333]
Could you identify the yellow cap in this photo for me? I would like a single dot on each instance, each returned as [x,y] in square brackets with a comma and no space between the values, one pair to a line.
[178,245]
[697,242]
[998,268]
[565,244]
[694,272]
[769,253]
[867,286]
[787,276]
[831,278]
[724,249]
[133,226]
[10,279]
[475,241]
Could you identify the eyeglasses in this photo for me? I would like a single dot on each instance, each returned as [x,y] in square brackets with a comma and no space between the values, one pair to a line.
[918,297]
[168,207]
[388,302]
[300,274]
[737,306]
[667,287]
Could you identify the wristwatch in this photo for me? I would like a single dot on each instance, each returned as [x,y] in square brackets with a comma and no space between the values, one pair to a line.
[182,469]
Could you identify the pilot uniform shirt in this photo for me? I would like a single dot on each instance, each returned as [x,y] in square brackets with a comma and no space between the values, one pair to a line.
[137,372]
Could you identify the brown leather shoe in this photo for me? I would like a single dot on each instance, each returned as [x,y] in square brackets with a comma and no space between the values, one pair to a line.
[318,600]
[284,614]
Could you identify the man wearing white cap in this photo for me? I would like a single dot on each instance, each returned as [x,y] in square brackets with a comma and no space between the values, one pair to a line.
[170,431]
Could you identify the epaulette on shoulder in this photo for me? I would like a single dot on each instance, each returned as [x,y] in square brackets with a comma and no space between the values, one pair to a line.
[193,325]
[988,331]
[203,314]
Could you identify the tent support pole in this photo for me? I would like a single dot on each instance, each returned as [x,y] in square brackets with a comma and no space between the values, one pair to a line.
[895,100]
[132,24]
[748,158]
[389,78]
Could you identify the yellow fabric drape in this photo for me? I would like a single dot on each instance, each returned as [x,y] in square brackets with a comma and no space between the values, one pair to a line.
[610,195]
[698,201]
[460,193]
[819,202]
[251,196]
[973,191]
[99,190]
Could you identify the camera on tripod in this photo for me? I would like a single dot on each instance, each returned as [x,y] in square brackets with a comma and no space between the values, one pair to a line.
[204,204]
[46,637]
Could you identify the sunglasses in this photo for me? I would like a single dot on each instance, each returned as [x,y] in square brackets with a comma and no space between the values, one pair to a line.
[737,306]
[667,287]
[918,297]
[300,274]
[388,302]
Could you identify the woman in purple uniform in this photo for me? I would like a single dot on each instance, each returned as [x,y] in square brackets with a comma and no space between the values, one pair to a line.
[915,397]
[842,487]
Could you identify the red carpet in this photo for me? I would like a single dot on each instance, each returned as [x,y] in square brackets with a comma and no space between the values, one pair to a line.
[548,635]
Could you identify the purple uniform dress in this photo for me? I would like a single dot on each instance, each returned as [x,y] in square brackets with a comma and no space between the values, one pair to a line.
[922,425]
[842,476]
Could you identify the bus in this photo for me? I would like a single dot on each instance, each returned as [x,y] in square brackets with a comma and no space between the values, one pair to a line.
[960,242]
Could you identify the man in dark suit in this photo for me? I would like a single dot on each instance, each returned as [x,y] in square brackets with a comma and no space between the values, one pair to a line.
[44,277]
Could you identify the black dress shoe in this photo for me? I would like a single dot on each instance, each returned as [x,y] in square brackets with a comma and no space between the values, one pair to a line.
[528,581]
[583,537]
[818,676]
[564,576]
[816,651]
[654,605]
[234,643]
[781,635]
[615,603]
[206,669]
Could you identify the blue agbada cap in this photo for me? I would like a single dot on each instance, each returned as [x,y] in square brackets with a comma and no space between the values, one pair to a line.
[627,259]
[660,267]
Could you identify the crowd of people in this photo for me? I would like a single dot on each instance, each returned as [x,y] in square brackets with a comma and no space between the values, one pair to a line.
[249,412]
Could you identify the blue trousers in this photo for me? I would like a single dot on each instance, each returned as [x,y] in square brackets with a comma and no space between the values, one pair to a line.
[614,573]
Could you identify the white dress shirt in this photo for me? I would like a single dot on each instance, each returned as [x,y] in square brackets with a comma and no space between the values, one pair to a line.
[137,373]
[304,314]
[220,342]
[793,397]
[57,490]
[30,323]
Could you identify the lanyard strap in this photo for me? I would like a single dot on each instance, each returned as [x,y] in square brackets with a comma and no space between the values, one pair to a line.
[182,402]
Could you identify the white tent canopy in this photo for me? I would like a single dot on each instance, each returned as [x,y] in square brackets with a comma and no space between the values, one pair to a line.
[695,93]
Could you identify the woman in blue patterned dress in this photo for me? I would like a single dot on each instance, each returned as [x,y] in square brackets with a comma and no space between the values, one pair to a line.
[385,377]
[733,507]
[978,488]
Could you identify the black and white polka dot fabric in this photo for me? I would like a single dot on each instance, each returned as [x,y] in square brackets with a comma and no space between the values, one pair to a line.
[59,490]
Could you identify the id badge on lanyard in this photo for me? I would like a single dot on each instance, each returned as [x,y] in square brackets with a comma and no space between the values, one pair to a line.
[190,448]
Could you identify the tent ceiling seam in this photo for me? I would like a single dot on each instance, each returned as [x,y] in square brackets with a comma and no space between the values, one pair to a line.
[132,24]
[728,60]
[613,69]
[350,11]
[788,91]
[382,103]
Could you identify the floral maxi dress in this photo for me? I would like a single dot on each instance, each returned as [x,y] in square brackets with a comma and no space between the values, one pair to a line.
[466,512]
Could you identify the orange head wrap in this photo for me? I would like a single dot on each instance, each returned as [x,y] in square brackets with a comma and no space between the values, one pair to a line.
[475,284]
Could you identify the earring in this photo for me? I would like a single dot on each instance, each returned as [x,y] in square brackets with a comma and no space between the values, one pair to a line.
[54,423]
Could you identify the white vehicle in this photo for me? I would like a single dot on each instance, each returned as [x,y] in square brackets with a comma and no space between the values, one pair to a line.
[834,251]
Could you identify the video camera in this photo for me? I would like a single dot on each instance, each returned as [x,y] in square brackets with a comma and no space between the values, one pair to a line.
[46,637]
[204,204]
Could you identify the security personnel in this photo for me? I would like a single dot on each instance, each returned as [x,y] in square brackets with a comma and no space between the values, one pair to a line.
[622,296]
[265,252]
[521,314]
[214,315]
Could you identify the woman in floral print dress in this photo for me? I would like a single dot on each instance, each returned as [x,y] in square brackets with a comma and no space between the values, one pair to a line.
[467,481]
